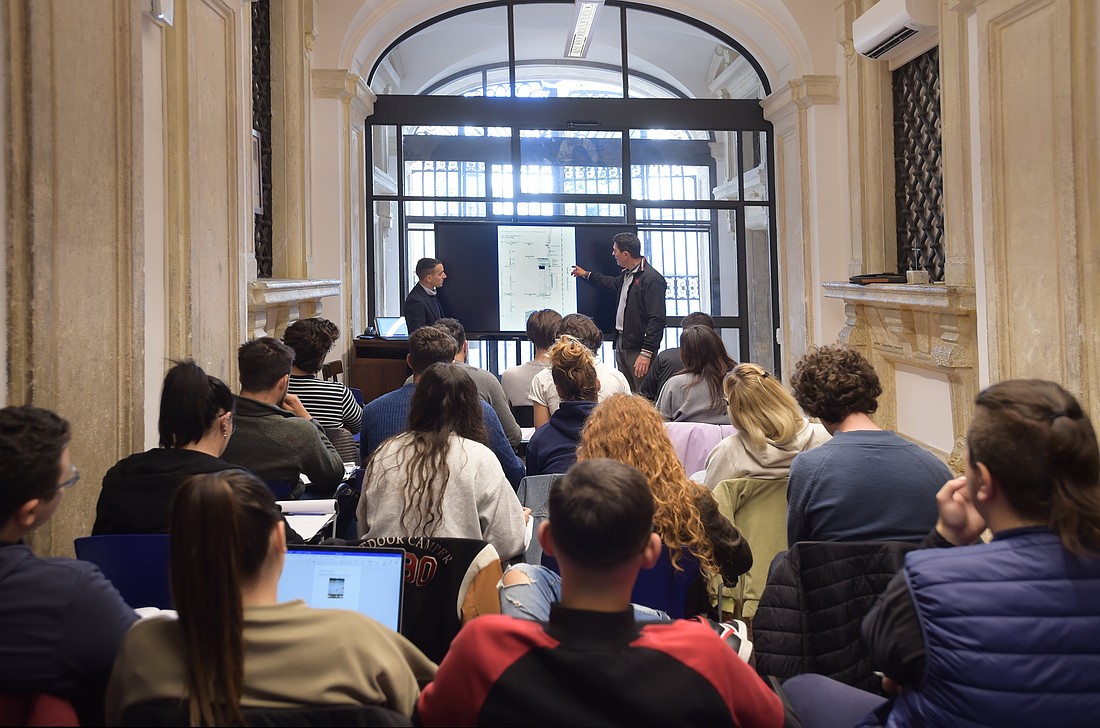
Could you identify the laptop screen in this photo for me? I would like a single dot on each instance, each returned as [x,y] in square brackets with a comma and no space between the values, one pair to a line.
[392,327]
[368,581]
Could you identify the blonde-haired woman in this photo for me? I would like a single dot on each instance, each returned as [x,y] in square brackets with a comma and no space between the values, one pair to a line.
[628,428]
[771,429]
[553,447]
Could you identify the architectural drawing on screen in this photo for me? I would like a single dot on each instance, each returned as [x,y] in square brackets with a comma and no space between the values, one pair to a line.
[534,272]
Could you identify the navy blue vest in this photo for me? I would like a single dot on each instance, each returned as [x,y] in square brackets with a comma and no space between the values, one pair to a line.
[1011,633]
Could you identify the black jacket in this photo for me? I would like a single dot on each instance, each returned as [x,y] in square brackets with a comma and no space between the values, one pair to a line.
[811,610]
[138,490]
[644,317]
[664,366]
[421,309]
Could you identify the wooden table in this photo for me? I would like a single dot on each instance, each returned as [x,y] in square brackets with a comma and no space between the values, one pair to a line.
[378,366]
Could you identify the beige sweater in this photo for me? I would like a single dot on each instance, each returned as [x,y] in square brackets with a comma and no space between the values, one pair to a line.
[736,457]
[294,656]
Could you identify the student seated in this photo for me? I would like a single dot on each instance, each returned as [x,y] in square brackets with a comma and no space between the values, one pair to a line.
[668,362]
[627,428]
[542,330]
[1005,633]
[61,621]
[234,646]
[196,422]
[553,447]
[331,404]
[694,394]
[592,664]
[439,478]
[543,392]
[771,430]
[866,484]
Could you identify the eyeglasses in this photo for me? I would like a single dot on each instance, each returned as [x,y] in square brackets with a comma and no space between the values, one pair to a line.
[73,480]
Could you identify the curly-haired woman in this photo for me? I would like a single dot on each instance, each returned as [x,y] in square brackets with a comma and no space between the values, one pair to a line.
[629,429]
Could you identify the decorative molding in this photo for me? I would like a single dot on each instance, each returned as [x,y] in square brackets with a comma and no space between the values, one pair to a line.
[273,304]
[344,85]
[813,90]
[930,327]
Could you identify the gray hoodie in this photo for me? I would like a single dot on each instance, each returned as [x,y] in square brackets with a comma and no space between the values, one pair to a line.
[737,457]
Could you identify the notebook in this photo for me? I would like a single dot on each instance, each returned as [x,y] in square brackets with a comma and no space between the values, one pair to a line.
[368,581]
[392,327]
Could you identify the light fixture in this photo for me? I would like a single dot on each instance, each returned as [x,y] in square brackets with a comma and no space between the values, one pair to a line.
[585,13]
[163,12]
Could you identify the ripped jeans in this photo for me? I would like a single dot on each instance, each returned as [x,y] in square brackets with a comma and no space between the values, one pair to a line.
[532,601]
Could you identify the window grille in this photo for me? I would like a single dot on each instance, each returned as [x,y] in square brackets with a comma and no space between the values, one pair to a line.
[918,166]
[261,122]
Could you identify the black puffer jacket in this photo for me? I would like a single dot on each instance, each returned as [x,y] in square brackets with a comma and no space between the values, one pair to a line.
[811,609]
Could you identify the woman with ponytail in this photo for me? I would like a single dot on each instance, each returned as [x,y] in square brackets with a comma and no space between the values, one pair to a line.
[553,447]
[196,422]
[234,646]
[1001,633]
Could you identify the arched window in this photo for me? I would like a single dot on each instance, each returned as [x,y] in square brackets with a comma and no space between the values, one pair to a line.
[480,116]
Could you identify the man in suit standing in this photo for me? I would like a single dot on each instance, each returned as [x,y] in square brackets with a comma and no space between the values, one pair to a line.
[421,306]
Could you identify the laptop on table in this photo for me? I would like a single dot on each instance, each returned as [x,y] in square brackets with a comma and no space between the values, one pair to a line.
[391,327]
[365,580]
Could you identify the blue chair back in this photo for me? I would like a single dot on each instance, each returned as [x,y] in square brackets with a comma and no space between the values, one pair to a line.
[136,563]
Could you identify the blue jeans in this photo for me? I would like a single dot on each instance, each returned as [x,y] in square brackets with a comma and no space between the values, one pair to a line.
[532,601]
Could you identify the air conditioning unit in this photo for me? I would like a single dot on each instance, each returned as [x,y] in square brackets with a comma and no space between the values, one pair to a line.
[893,29]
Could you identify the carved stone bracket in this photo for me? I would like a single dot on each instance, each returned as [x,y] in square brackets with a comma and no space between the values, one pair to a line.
[924,325]
[275,304]
[345,85]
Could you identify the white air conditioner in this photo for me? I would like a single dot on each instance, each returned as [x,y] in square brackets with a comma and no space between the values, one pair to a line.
[896,30]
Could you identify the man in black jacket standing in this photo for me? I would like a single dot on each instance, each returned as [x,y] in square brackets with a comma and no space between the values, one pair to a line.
[640,315]
[421,305]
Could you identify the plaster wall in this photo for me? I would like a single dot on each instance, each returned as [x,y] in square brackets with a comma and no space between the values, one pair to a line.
[156,280]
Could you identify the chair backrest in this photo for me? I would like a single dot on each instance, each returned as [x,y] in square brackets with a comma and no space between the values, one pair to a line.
[534,493]
[693,441]
[332,370]
[812,608]
[175,713]
[281,489]
[759,510]
[36,709]
[677,593]
[137,565]
[344,442]
[448,582]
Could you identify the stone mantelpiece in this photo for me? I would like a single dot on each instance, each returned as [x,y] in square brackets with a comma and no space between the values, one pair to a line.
[273,304]
[928,328]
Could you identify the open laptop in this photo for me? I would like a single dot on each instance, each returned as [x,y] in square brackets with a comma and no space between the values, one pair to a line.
[364,580]
[392,327]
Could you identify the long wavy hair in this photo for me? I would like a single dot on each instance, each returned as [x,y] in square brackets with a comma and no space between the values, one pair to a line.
[628,428]
[445,402]
[706,359]
[221,526]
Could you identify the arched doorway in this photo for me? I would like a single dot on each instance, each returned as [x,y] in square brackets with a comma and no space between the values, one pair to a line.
[658,127]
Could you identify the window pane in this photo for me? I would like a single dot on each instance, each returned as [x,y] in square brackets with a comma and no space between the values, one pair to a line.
[413,66]
[384,158]
[761,314]
[687,60]
[571,162]
[753,156]
[542,33]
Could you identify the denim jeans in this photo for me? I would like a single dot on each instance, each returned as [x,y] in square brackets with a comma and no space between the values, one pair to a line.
[532,601]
